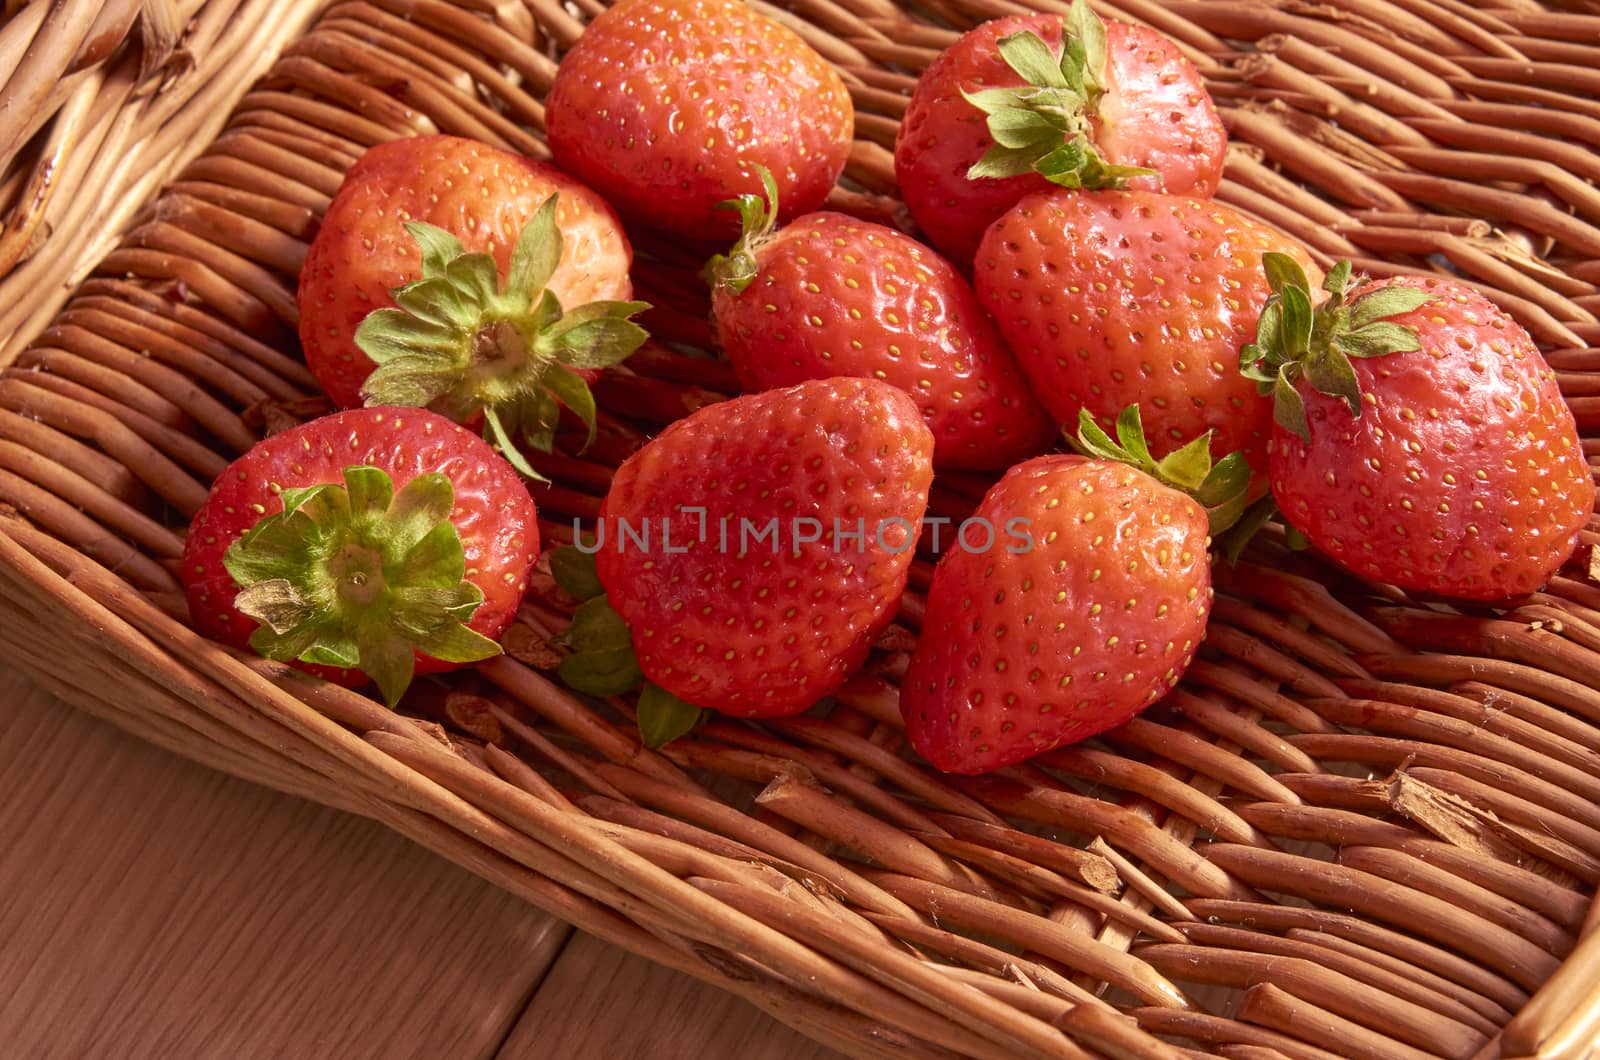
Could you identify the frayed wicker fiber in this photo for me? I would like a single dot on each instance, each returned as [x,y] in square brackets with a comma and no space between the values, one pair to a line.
[1365,826]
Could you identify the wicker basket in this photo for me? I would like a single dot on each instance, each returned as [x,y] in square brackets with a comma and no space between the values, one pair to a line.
[1373,823]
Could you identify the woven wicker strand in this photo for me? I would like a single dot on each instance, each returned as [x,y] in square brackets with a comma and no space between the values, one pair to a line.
[1364,826]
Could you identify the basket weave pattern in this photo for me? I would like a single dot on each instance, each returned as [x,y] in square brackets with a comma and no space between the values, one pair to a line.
[1375,822]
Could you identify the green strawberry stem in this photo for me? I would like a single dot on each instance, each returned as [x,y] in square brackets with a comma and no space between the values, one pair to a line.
[460,342]
[758,216]
[1046,126]
[602,662]
[1221,488]
[1298,339]
[359,577]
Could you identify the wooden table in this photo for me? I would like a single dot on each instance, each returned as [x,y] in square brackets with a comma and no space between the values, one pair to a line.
[150,907]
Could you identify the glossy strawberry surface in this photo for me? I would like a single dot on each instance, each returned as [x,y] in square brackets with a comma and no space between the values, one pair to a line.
[834,295]
[666,107]
[1112,298]
[723,615]
[493,514]
[1464,475]
[481,194]
[1156,113]
[1036,643]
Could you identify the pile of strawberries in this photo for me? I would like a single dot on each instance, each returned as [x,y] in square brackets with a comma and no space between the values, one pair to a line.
[1073,272]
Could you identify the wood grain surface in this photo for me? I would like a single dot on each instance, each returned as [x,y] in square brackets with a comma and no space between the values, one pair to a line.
[599,1001]
[150,907]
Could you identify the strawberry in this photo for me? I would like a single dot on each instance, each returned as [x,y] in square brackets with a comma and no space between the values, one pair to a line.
[1008,110]
[1088,610]
[374,543]
[667,106]
[389,283]
[1113,297]
[757,547]
[830,295]
[1421,439]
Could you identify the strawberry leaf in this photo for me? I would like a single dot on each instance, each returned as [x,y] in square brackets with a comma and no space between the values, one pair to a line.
[1221,488]
[596,626]
[1075,66]
[1092,440]
[1376,340]
[663,717]
[1085,30]
[434,562]
[596,336]
[538,416]
[601,673]
[330,649]
[456,342]
[494,432]
[574,570]
[438,247]
[1295,338]
[419,531]
[1047,125]
[1224,492]
[1031,58]
[1337,281]
[1294,326]
[358,576]
[992,100]
[1017,129]
[474,277]
[1186,468]
[1387,302]
[1001,163]
[536,255]
[1250,523]
[1332,375]
[434,300]
[1283,272]
[758,216]
[570,389]
[1130,435]
[1288,409]
[1250,359]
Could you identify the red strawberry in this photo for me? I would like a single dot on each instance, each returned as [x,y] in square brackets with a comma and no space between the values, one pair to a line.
[366,544]
[1006,110]
[1422,440]
[830,295]
[1114,297]
[433,223]
[667,106]
[1088,610]
[836,473]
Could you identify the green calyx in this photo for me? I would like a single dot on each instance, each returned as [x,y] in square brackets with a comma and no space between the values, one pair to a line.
[1221,488]
[758,215]
[602,662]
[360,577]
[1047,125]
[1296,340]
[459,342]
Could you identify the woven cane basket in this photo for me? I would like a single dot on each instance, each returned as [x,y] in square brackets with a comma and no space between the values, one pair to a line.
[1364,826]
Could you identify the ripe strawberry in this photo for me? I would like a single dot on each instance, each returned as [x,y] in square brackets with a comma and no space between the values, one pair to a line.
[382,284]
[1113,297]
[1089,613]
[723,613]
[1421,438]
[667,106]
[1007,110]
[372,543]
[830,295]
